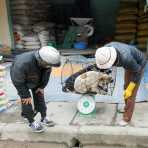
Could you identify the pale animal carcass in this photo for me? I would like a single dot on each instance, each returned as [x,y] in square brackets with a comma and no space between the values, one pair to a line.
[91,82]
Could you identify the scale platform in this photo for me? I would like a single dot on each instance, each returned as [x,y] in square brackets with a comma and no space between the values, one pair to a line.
[81,21]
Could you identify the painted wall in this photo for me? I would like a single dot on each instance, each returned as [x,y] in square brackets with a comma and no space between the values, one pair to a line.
[104,12]
[5,37]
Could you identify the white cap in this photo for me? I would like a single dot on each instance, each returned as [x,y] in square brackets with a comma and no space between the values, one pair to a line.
[105,57]
[50,55]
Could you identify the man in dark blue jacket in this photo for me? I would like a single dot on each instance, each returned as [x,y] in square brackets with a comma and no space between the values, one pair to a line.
[30,72]
[133,61]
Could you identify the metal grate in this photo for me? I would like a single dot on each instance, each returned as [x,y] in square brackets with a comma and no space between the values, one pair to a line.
[84,63]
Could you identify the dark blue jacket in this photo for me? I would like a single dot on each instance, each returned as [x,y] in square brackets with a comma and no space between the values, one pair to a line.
[27,74]
[130,58]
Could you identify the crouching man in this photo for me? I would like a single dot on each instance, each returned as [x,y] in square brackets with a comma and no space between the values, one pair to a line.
[30,72]
[133,61]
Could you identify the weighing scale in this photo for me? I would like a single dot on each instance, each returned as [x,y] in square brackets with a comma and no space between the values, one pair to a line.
[86,104]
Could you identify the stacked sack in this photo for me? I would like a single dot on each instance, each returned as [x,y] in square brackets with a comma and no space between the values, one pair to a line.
[46,32]
[18,35]
[142,33]
[29,12]
[126,22]
[24,11]
[31,42]
[3,98]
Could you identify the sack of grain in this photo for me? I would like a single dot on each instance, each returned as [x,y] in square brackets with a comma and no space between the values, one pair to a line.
[40,27]
[32,47]
[17,27]
[125,37]
[19,46]
[32,43]
[142,33]
[30,38]
[142,39]
[124,31]
[142,45]
[126,11]
[18,2]
[126,18]
[125,26]
[143,26]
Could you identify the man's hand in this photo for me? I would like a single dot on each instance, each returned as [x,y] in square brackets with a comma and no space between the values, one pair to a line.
[129,90]
[27,101]
[127,94]
[39,90]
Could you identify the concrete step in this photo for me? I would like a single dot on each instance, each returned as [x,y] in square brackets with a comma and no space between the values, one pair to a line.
[18,144]
[73,130]
[85,136]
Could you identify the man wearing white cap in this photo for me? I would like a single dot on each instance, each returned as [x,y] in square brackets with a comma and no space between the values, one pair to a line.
[133,61]
[30,72]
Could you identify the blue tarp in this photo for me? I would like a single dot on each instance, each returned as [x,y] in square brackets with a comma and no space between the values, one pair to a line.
[53,91]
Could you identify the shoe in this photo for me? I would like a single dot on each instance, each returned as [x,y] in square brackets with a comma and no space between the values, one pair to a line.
[47,122]
[123,123]
[36,127]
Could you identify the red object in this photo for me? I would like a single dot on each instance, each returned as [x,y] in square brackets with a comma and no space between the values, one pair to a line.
[17,36]
[2,93]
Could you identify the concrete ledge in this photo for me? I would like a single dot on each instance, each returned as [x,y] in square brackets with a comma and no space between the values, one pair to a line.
[73,130]
[19,144]
[20,132]
[86,135]
[118,136]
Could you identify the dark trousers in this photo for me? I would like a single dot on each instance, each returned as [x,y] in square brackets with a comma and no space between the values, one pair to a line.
[39,106]
[130,102]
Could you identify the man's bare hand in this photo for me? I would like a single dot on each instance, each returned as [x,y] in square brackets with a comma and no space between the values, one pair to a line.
[27,101]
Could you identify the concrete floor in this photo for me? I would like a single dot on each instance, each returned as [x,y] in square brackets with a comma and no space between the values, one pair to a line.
[65,113]
[97,130]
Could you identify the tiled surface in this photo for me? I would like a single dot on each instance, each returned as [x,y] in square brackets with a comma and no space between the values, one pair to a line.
[104,115]
[53,91]
[61,113]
